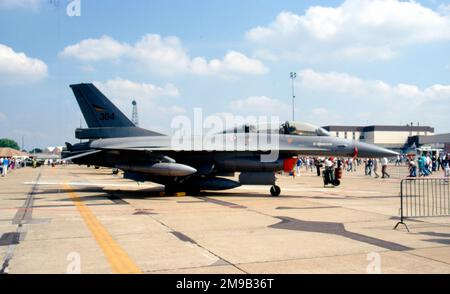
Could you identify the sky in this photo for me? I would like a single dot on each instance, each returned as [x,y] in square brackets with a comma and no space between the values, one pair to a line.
[358,62]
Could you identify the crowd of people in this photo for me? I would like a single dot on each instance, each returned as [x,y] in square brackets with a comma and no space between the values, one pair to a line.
[419,166]
[8,164]
[426,165]
[371,165]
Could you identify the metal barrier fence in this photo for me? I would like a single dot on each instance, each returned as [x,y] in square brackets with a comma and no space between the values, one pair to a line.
[424,197]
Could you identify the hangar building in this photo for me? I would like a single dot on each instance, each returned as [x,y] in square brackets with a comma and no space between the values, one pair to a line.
[388,136]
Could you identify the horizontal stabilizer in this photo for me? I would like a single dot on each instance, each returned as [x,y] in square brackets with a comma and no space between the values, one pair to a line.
[90,152]
[113,132]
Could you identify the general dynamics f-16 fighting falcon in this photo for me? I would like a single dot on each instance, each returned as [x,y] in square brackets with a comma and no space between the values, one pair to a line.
[143,155]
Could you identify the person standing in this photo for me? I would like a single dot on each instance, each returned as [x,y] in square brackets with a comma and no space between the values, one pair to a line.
[5,166]
[446,165]
[384,163]
[369,167]
[299,166]
[433,163]
[375,168]
[350,165]
[421,162]
[412,168]
[428,164]
[438,162]
[318,165]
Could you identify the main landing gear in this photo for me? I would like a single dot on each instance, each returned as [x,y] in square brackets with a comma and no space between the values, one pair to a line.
[275,190]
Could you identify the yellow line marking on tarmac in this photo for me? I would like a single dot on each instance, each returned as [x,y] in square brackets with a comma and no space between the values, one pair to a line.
[118,258]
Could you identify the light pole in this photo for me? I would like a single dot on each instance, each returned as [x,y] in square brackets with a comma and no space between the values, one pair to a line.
[293,75]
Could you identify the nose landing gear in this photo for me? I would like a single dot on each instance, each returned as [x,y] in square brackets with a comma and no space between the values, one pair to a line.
[275,190]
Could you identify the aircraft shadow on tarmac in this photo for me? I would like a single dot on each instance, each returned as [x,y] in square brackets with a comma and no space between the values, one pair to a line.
[443,237]
[152,193]
[288,223]
[155,193]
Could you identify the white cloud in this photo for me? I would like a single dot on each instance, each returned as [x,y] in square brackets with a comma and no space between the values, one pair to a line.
[259,105]
[355,99]
[123,89]
[365,29]
[17,68]
[162,55]
[153,107]
[358,88]
[233,62]
[20,4]
[96,49]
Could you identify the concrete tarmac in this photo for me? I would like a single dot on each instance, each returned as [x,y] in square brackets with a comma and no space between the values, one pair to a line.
[72,219]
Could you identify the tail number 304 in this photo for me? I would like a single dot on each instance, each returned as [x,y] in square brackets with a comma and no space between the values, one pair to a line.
[107,116]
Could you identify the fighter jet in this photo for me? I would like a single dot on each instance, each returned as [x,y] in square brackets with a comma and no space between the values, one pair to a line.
[143,155]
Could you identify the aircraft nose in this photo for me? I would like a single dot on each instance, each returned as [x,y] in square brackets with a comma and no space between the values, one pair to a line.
[368,150]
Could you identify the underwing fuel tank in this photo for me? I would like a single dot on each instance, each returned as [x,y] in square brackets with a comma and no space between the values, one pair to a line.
[213,184]
[250,165]
[160,169]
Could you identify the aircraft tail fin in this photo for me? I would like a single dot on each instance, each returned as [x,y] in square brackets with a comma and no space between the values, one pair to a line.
[97,110]
[103,118]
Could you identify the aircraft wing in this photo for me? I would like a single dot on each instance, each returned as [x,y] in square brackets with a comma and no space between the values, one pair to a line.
[79,155]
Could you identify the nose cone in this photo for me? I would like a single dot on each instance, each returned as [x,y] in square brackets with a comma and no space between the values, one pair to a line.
[171,169]
[179,170]
[368,150]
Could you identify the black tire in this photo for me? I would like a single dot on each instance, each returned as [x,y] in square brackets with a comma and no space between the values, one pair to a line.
[169,192]
[275,191]
[336,183]
[115,171]
[193,192]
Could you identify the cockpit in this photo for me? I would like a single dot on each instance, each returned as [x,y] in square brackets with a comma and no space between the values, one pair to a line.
[286,128]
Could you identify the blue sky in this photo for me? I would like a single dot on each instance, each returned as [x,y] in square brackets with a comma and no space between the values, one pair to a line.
[358,61]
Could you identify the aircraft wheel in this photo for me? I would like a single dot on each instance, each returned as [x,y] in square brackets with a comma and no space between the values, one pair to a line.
[193,192]
[275,190]
[169,191]
[115,171]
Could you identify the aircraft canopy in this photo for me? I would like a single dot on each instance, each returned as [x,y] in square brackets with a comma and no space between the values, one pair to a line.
[287,128]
